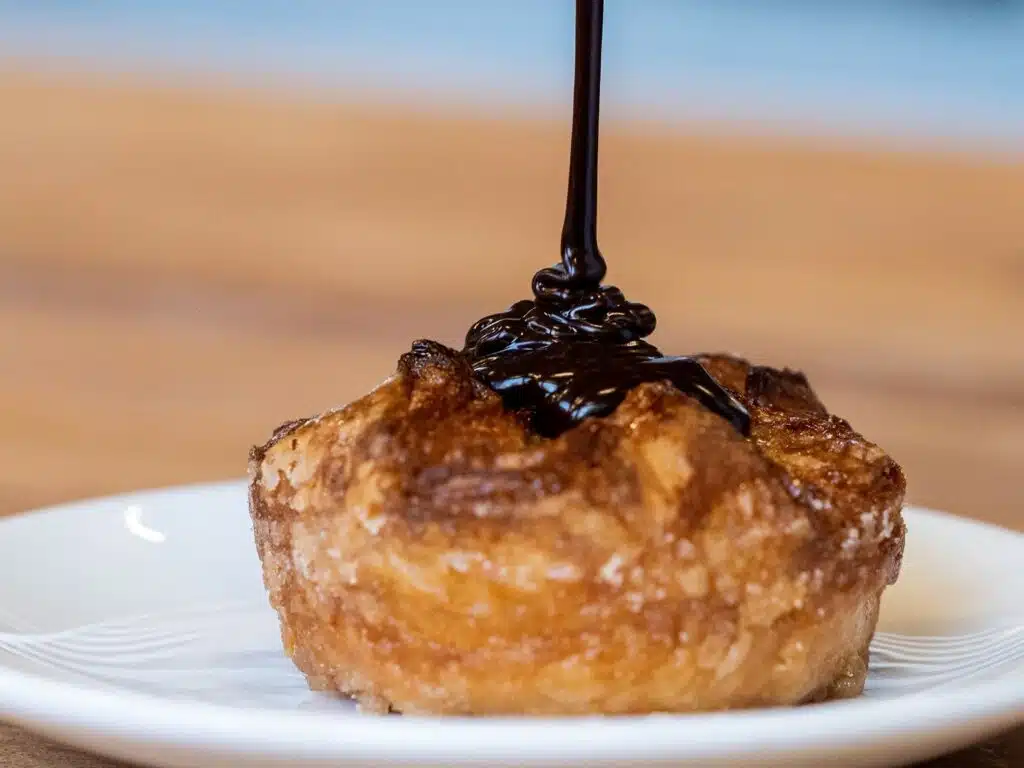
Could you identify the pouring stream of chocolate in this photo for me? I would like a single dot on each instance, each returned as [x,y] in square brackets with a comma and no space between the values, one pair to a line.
[577,349]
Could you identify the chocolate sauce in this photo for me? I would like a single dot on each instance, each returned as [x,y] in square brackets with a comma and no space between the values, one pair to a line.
[578,347]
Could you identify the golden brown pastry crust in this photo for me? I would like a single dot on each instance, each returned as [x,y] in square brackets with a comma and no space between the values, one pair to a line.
[426,553]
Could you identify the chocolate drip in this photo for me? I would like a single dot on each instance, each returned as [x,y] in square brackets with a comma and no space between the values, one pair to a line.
[577,349]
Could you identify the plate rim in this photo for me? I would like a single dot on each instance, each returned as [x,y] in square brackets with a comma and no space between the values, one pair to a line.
[61,708]
[50,705]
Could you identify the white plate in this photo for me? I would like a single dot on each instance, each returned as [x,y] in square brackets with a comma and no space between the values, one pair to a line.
[137,627]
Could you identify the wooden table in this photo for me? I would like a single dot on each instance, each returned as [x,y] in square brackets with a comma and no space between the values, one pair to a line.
[182,269]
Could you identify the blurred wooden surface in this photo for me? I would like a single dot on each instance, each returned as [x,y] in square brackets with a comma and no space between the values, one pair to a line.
[181,270]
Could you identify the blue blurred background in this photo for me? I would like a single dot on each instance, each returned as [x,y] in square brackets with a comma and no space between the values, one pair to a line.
[946,70]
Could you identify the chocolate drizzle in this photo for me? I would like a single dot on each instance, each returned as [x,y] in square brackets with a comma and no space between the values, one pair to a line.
[577,349]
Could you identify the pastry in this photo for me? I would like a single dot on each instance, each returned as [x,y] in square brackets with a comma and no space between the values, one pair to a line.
[558,519]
